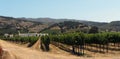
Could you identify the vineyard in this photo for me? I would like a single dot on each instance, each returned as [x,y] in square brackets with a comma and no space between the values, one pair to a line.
[76,43]
[22,40]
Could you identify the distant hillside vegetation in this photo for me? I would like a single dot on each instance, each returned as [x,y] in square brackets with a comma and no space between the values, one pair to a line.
[66,26]
[112,26]
[13,25]
[103,26]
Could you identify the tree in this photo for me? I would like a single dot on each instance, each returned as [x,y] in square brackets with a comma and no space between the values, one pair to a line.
[93,29]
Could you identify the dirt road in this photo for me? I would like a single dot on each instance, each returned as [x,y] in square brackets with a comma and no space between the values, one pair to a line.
[16,52]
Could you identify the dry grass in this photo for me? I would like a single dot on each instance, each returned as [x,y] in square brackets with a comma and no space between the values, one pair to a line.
[17,52]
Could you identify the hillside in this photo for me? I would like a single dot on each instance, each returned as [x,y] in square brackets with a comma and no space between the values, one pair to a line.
[66,26]
[112,26]
[49,21]
[13,25]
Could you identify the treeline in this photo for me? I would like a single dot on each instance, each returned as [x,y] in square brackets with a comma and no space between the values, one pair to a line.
[80,41]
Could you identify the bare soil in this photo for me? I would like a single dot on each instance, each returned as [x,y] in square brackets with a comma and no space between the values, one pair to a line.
[13,51]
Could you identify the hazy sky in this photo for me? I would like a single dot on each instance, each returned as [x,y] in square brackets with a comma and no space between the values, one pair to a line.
[92,10]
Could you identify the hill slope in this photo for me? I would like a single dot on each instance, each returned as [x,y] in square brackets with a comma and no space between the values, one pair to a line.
[66,26]
[101,25]
[13,25]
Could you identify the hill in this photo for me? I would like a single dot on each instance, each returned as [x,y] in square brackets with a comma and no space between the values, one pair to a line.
[66,26]
[13,25]
[49,21]
[103,26]
[112,26]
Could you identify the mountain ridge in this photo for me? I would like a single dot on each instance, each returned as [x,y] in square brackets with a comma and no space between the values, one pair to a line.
[38,24]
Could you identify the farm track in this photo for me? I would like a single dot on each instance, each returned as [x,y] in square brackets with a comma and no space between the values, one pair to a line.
[13,51]
[16,52]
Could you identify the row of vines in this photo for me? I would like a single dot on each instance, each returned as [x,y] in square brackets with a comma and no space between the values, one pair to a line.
[80,41]
[22,40]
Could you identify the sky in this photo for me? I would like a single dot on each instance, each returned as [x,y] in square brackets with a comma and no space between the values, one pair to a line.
[91,10]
